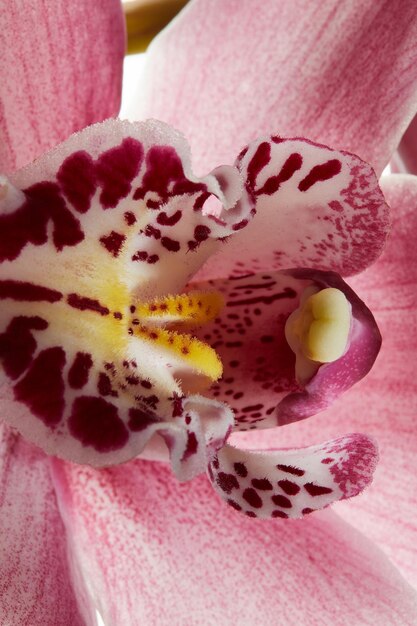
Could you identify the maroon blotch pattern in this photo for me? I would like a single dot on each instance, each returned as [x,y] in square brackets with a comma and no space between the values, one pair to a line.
[95,422]
[116,168]
[27,292]
[17,344]
[78,180]
[42,388]
[29,223]
[79,370]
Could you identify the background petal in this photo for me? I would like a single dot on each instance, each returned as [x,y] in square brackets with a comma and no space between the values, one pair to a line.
[382,405]
[405,159]
[61,70]
[342,74]
[35,585]
[159,553]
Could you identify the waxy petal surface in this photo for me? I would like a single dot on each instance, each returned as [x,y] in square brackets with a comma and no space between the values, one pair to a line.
[61,70]
[316,207]
[35,580]
[110,218]
[132,527]
[343,74]
[383,405]
[259,378]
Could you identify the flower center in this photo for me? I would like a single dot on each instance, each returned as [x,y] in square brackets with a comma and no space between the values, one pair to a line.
[318,330]
[179,311]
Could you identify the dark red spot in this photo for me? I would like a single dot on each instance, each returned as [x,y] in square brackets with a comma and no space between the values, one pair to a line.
[166,220]
[151,231]
[325,171]
[316,490]
[200,200]
[252,407]
[240,225]
[150,400]
[17,344]
[78,181]
[291,470]
[154,258]
[262,483]
[192,446]
[79,370]
[95,422]
[140,255]
[252,497]
[327,460]
[286,293]
[307,510]
[170,244]
[140,420]
[116,168]
[227,482]
[282,501]
[289,487]
[104,386]
[234,504]
[260,159]
[117,315]
[146,384]
[250,514]
[291,165]
[27,292]
[277,513]
[163,168]
[113,242]
[30,223]
[42,388]
[86,304]
[130,218]
[240,469]
[177,402]
[201,232]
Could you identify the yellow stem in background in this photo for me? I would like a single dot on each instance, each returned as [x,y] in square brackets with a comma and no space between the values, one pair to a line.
[146,18]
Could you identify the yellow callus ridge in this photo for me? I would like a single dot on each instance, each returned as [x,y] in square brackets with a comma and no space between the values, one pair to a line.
[320,326]
[192,351]
[187,309]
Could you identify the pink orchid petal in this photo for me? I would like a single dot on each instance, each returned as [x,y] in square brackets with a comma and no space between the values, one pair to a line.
[343,74]
[293,483]
[405,159]
[35,581]
[61,70]
[316,207]
[160,553]
[384,404]
[259,378]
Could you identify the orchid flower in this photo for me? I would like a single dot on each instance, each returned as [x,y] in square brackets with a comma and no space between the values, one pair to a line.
[141,545]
